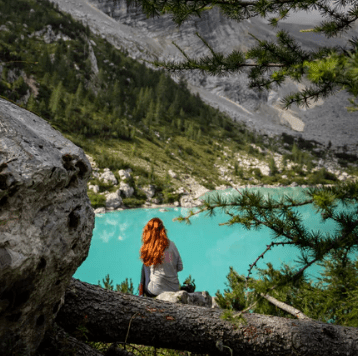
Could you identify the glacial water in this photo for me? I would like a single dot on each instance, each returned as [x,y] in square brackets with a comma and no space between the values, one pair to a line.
[207,249]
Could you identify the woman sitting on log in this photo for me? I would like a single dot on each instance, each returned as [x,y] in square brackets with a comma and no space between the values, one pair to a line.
[161,261]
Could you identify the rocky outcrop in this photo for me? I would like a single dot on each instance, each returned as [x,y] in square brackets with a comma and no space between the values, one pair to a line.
[114,200]
[151,38]
[46,224]
[126,189]
[108,177]
[149,191]
[94,188]
[202,299]
[125,173]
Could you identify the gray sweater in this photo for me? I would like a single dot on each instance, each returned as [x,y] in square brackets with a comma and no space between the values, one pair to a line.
[164,277]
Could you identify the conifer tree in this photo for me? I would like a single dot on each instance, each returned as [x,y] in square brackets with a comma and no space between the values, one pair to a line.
[159,111]
[79,96]
[150,115]
[31,103]
[55,99]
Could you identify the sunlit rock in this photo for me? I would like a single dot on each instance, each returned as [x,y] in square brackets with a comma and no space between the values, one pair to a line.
[46,223]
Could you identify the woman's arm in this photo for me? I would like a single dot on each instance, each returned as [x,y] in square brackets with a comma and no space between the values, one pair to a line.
[178,258]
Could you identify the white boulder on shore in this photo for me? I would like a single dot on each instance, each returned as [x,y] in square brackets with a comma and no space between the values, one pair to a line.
[187,201]
[126,189]
[149,191]
[100,210]
[114,200]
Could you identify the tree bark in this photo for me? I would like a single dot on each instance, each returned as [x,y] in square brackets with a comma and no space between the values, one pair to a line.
[113,316]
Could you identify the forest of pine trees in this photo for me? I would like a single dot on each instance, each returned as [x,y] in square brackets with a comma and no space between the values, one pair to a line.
[123,96]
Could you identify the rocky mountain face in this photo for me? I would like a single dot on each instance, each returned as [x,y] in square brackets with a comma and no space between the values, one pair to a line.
[46,223]
[325,121]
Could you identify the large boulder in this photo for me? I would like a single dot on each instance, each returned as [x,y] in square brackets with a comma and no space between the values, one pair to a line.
[126,189]
[46,223]
[114,200]
[125,173]
[202,299]
[149,191]
[108,177]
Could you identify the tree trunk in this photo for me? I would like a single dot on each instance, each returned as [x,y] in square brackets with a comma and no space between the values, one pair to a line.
[113,316]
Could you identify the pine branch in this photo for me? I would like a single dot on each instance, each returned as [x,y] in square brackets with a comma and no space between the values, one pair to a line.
[268,248]
[285,307]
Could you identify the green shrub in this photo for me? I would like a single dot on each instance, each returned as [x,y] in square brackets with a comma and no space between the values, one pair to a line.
[133,202]
[97,200]
[169,197]
[322,176]
[257,173]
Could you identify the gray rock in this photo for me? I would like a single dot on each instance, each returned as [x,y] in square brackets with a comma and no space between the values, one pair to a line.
[125,173]
[202,299]
[49,35]
[172,174]
[114,200]
[46,223]
[94,188]
[126,189]
[108,177]
[149,191]
[101,210]
[156,201]
[187,201]
[93,59]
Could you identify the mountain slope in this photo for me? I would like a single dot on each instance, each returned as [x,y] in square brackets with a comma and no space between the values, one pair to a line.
[152,38]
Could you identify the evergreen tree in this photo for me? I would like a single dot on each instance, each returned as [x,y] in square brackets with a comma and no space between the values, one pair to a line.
[335,297]
[272,166]
[55,99]
[150,115]
[45,62]
[79,96]
[159,111]
[31,103]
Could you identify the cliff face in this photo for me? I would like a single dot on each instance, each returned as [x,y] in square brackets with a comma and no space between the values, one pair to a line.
[46,224]
[152,38]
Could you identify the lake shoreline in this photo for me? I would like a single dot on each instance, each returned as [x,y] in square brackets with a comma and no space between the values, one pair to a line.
[149,205]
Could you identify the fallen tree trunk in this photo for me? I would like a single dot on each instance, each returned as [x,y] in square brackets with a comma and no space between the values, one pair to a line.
[112,316]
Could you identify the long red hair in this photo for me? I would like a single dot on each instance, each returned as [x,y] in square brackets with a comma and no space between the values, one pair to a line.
[155,241]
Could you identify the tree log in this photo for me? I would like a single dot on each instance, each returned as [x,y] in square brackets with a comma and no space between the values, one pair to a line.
[113,316]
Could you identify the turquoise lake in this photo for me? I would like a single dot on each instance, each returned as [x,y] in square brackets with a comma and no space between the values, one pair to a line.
[207,249]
